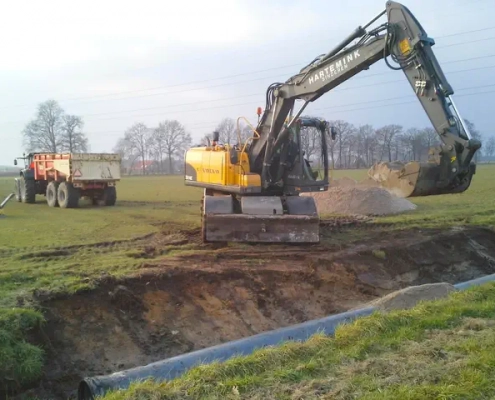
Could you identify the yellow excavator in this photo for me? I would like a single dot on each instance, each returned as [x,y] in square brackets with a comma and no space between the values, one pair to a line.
[252,189]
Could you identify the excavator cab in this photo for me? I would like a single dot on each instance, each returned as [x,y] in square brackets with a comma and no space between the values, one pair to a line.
[308,161]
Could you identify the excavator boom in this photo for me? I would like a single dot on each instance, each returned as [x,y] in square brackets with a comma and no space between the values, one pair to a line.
[403,39]
[252,190]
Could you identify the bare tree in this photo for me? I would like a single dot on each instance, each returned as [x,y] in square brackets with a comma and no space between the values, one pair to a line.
[127,153]
[44,132]
[173,139]
[413,142]
[476,134]
[246,133]
[52,130]
[139,138]
[72,139]
[368,140]
[386,136]
[310,141]
[159,148]
[490,146]
[227,130]
[344,131]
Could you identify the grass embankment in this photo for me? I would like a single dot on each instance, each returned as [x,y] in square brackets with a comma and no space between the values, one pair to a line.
[37,242]
[34,254]
[443,349]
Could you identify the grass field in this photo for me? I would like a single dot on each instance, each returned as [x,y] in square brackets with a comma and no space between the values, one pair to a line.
[34,243]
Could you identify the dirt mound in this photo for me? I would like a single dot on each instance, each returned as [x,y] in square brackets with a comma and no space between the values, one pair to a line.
[360,200]
[409,297]
[344,182]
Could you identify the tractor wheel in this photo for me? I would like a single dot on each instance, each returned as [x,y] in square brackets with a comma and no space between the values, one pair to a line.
[51,194]
[17,189]
[67,195]
[28,190]
[109,196]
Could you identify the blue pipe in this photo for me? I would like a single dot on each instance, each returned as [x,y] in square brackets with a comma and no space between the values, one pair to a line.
[173,367]
[475,282]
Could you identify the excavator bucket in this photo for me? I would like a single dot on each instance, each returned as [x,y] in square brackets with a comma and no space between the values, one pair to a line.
[260,219]
[414,179]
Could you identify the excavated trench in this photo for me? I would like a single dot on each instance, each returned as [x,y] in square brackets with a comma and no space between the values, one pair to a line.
[202,299]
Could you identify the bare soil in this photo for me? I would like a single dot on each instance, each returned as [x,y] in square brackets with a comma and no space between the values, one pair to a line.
[220,293]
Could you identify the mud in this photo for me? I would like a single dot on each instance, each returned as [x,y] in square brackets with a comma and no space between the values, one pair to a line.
[212,295]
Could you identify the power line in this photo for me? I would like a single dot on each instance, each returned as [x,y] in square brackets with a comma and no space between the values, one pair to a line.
[413,101]
[359,103]
[396,104]
[466,32]
[252,103]
[252,95]
[257,94]
[246,81]
[468,42]
[229,76]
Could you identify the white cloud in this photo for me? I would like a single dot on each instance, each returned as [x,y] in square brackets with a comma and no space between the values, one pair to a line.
[49,34]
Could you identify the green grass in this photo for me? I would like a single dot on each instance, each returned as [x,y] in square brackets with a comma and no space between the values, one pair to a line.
[443,350]
[33,257]
[142,203]
[37,242]
[476,206]
[21,362]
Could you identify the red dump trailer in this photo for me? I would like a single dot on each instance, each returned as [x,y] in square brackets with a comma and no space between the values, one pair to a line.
[64,178]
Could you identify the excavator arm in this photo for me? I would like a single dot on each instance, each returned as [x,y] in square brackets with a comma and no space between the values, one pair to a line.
[403,39]
[255,192]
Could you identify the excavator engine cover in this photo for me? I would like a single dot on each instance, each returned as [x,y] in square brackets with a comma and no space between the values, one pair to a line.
[260,219]
[414,179]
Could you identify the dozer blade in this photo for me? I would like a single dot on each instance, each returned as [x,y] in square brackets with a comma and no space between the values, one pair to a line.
[261,220]
[414,179]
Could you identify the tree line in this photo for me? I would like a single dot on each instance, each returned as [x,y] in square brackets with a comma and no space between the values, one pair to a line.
[163,145]
[360,146]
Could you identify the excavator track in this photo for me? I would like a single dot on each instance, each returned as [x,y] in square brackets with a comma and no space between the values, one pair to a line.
[259,219]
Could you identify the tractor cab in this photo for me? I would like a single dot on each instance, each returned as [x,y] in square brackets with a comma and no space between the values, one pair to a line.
[28,160]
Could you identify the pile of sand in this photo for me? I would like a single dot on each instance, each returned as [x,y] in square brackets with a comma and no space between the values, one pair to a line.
[410,296]
[345,197]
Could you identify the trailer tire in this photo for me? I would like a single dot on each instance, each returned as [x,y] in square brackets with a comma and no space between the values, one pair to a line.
[28,190]
[67,195]
[110,196]
[52,194]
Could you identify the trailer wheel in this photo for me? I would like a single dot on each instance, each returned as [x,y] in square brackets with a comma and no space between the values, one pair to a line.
[67,195]
[109,196]
[28,190]
[51,194]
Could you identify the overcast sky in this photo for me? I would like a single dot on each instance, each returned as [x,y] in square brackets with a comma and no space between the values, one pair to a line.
[119,62]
